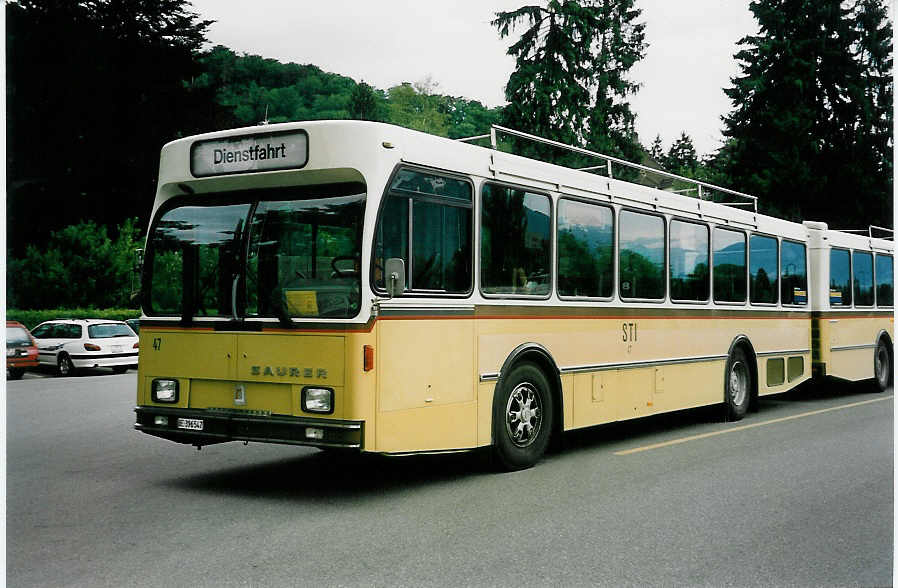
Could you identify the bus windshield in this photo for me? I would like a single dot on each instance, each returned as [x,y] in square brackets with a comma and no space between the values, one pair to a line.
[293,252]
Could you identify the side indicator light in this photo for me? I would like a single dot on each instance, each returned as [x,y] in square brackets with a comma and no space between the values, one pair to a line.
[369,357]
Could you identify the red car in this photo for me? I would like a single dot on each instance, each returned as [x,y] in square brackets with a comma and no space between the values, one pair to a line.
[21,350]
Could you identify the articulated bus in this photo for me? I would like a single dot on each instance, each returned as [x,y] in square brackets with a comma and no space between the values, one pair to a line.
[349,284]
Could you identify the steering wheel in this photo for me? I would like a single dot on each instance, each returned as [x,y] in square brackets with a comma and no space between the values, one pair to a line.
[344,273]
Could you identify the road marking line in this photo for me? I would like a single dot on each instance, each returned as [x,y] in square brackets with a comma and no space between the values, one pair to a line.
[744,427]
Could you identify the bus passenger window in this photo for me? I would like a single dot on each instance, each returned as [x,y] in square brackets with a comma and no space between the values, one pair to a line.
[690,279]
[641,256]
[763,276]
[729,266]
[436,244]
[839,277]
[515,241]
[585,249]
[863,278]
[794,273]
[885,294]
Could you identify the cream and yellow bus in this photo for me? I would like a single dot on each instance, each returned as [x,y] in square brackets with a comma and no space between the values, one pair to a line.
[348,284]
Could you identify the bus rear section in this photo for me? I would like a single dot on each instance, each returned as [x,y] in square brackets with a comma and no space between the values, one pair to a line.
[853,318]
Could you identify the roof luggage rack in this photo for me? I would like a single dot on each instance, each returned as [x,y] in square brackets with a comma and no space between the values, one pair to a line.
[700,187]
[869,230]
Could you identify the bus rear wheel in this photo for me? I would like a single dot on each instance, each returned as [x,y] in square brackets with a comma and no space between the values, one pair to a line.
[737,384]
[882,366]
[522,417]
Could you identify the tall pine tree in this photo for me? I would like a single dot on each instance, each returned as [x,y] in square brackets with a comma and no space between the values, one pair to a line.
[810,132]
[570,80]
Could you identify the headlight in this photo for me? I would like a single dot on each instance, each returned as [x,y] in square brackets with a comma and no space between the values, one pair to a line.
[165,390]
[319,400]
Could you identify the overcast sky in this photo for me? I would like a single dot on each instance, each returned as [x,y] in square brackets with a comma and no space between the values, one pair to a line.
[386,42]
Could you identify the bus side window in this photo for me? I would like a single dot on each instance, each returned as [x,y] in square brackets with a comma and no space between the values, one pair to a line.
[794,273]
[585,249]
[862,267]
[839,277]
[729,266]
[515,241]
[885,289]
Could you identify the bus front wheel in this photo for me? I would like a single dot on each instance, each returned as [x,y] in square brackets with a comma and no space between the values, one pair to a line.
[737,384]
[522,417]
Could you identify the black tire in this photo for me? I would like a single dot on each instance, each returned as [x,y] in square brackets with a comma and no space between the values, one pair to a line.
[16,373]
[65,367]
[737,384]
[883,373]
[119,369]
[522,417]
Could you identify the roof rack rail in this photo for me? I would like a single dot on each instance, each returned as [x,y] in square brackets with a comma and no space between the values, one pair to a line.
[869,231]
[699,186]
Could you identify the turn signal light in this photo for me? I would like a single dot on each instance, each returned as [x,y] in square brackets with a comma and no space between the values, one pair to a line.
[369,357]
[91,347]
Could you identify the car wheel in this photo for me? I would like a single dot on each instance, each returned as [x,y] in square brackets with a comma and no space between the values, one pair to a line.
[737,385]
[16,373]
[522,417]
[119,369]
[882,366]
[64,366]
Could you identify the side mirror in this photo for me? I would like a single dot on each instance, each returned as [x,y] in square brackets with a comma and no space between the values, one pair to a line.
[394,272]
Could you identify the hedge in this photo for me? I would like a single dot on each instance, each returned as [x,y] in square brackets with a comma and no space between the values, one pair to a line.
[32,318]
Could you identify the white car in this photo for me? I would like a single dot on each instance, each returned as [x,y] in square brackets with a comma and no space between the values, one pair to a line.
[72,344]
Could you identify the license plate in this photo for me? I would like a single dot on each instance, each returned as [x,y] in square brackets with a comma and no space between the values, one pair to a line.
[117,348]
[191,424]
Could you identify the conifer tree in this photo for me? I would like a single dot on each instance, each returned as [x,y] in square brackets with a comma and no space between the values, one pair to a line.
[570,79]
[810,132]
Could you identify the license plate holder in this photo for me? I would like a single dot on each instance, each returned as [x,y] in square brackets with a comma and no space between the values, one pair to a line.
[190,424]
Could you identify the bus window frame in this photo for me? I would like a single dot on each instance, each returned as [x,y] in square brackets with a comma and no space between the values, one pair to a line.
[710,280]
[872,275]
[553,271]
[664,270]
[378,291]
[876,254]
[807,274]
[614,260]
[745,233]
[779,251]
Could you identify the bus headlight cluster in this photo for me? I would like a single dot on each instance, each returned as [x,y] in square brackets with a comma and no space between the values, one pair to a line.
[165,390]
[320,400]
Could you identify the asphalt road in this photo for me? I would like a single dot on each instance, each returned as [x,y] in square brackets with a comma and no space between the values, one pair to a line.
[798,494]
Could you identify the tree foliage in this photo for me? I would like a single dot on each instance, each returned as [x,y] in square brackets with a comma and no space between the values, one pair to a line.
[81,266]
[94,89]
[570,79]
[811,125]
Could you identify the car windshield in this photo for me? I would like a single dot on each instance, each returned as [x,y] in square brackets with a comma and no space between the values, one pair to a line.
[17,337]
[108,330]
[291,252]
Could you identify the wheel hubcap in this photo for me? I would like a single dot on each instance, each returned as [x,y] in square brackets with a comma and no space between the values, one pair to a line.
[738,383]
[523,414]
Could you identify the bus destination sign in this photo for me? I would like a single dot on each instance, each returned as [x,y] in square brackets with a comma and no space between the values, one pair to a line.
[249,153]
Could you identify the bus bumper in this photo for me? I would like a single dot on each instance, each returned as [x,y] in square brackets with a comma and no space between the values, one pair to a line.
[203,427]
